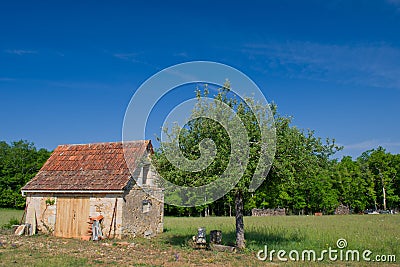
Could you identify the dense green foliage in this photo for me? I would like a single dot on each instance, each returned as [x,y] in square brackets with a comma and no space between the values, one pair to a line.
[304,178]
[238,129]
[19,163]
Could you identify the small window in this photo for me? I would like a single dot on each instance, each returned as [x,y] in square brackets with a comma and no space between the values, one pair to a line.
[145,174]
[146,205]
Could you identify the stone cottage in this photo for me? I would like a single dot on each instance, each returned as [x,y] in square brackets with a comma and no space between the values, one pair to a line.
[82,181]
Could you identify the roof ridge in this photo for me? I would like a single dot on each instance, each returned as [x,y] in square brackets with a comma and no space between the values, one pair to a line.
[104,143]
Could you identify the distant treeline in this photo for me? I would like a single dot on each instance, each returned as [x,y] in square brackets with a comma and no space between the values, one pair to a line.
[372,181]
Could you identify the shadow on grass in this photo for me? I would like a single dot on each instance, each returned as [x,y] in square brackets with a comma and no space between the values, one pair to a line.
[178,240]
[253,238]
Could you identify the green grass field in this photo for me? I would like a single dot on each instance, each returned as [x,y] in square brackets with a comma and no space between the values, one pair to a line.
[7,214]
[377,233]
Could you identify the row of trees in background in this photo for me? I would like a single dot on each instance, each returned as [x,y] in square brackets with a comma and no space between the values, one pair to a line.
[301,180]
[19,163]
[304,177]
[305,180]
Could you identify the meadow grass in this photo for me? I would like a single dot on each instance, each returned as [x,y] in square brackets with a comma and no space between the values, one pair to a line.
[378,233]
[7,214]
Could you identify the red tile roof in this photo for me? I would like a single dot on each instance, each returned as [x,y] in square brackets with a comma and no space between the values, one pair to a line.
[89,167]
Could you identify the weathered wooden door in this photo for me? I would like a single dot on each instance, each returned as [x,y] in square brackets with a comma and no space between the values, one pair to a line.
[72,216]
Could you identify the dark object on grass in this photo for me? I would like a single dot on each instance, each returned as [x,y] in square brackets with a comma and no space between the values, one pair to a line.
[176,255]
[215,237]
[385,212]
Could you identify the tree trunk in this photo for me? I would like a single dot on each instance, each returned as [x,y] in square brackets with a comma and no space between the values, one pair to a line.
[383,190]
[384,198]
[240,242]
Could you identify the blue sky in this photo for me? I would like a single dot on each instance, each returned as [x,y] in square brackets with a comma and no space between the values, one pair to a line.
[68,69]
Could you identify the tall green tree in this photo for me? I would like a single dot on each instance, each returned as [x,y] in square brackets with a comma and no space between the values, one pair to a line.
[301,176]
[300,179]
[355,186]
[19,162]
[383,169]
[202,128]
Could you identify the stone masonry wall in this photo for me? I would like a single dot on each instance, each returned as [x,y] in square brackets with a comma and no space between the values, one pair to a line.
[40,212]
[142,214]
[103,204]
[268,212]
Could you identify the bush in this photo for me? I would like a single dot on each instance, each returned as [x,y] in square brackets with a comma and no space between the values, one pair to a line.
[11,222]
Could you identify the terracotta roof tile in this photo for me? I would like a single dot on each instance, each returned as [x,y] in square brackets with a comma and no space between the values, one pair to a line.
[88,167]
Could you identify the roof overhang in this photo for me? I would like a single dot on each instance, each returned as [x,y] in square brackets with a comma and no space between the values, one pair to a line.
[74,191]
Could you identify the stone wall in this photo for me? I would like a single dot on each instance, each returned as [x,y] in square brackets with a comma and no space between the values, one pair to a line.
[41,210]
[268,212]
[103,204]
[142,214]
[342,210]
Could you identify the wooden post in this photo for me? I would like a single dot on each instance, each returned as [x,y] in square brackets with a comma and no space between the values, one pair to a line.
[112,218]
[23,215]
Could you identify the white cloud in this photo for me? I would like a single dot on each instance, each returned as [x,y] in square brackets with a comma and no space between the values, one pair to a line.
[182,54]
[394,2]
[126,56]
[6,79]
[371,144]
[20,52]
[355,149]
[134,58]
[374,65]
[78,84]
[185,76]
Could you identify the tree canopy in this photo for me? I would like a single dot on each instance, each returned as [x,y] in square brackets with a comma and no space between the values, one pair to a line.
[304,178]
[19,163]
